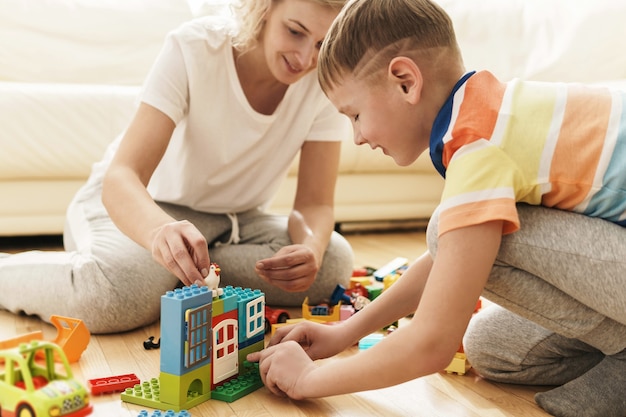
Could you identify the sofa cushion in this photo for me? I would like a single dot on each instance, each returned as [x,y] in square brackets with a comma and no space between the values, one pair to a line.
[54,131]
[84,41]
[556,40]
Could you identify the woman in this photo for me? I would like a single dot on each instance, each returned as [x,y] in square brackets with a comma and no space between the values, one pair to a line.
[228,104]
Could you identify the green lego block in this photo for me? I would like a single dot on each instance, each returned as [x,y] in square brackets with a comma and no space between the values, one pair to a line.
[148,394]
[179,390]
[218,307]
[373,291]
[241,386]
[243,354]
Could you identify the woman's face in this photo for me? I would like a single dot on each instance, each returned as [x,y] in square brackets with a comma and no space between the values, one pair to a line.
[293,33]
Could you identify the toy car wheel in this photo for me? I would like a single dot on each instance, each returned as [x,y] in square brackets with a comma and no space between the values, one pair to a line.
[283,318]
[24,410]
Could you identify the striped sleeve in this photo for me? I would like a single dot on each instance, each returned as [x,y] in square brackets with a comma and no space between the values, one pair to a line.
[551,144]
[482,184]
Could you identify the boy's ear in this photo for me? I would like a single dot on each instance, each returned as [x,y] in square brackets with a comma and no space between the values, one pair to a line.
[407,77]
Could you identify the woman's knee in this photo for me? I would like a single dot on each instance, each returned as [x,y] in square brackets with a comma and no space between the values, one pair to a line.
[338,261]
[127,298]
[340,251]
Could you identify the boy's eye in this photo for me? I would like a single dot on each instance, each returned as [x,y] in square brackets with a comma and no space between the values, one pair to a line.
[293,31]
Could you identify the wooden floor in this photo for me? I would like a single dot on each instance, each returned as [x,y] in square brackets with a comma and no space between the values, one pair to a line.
[432,396]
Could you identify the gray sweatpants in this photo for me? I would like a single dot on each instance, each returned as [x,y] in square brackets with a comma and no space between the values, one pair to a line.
[113,284]
[560,283]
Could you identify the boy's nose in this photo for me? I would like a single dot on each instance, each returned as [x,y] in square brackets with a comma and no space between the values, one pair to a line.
[358,139]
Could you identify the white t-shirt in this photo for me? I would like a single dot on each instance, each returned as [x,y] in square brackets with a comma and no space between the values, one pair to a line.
[224,156]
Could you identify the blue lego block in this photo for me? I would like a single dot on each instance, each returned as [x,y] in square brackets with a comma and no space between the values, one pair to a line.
[185,329]
[370,340]
[255,339]
[319,310]
[226,302]
[339,294]
[251,310]
[168,413]
[229,299]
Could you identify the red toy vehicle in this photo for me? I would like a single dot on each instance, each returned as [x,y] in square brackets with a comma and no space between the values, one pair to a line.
[274,316]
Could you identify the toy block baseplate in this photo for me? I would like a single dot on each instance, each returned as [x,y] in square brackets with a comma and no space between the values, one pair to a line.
[148,394]
[248,381]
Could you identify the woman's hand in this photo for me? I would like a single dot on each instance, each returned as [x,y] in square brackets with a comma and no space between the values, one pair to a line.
[293,268]
[182,249]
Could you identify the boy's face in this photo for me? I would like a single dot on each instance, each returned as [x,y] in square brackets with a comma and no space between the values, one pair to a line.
[380,117]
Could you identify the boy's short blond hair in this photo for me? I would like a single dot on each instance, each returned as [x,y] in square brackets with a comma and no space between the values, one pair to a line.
[367,34]
[251,17]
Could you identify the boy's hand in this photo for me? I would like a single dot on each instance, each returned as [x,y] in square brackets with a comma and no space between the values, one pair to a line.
[285,369]
[317,340]
[293,268]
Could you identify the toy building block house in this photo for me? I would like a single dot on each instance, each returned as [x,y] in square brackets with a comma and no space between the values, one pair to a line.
[204,343]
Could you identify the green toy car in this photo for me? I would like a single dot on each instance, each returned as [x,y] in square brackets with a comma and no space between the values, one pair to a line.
[33,385]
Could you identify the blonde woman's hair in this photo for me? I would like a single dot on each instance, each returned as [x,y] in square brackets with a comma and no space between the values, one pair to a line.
[368,34]
[251,17]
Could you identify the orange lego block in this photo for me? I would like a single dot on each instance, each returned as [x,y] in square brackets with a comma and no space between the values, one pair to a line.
[18,340]
[72,336]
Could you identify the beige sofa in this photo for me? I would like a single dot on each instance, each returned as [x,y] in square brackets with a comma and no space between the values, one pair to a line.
[70,72]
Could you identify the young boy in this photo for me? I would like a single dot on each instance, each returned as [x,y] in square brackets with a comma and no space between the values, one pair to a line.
[532,216]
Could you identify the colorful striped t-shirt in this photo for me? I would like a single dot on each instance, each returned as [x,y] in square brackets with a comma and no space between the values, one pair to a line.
[550,144]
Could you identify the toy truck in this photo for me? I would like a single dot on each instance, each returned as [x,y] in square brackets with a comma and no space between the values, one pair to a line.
[32,385]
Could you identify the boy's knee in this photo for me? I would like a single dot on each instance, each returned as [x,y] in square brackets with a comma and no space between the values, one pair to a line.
[494,342]
[476,344]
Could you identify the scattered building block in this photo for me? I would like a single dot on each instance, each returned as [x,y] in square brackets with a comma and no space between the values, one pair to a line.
[111,384]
